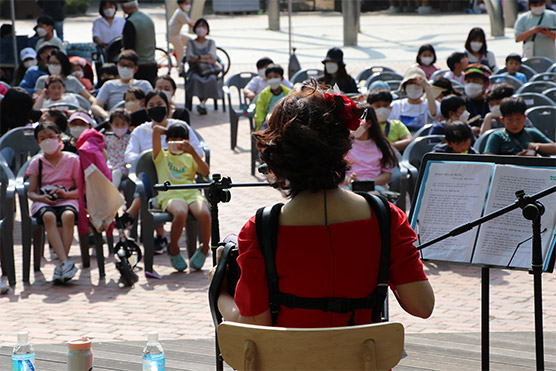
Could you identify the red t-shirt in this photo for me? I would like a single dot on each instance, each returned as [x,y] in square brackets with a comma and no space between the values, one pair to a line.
[340,260]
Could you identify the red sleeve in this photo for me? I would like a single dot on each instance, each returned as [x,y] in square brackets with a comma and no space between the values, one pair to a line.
[251,295]
[405,264]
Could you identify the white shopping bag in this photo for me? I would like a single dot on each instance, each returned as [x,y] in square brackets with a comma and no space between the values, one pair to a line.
[103,198]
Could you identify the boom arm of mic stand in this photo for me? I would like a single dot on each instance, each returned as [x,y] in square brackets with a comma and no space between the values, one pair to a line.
[468,226]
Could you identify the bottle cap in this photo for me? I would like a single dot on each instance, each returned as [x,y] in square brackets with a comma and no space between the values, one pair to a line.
[23,337]
[83,343]
[152,336]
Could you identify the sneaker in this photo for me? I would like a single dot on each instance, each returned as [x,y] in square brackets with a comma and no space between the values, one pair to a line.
[202,110]
[57,276]
[198,260]
[68,270]
[178,262]
[4,288]
[160,245]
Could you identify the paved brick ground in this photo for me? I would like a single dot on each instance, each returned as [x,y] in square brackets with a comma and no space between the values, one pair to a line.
[177,306]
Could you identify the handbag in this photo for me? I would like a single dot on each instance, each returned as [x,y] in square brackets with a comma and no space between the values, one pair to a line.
[207,69]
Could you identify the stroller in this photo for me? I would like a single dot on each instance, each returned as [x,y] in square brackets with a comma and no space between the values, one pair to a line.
[127,251]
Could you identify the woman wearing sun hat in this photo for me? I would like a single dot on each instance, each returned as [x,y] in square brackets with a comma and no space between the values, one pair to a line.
[335,72]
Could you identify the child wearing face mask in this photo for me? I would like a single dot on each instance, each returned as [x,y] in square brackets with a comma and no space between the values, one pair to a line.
[116,140]
[28,58]
[415,111]
[476,85]
[54,92]
[426,58]
[78,71]
[394,130]
[270,95]
[494,97]
[53,179]
[178,20]
[453,110]
[179,164]
[476,49]
[44,30]
[258,83]
[77,124]
[335,72]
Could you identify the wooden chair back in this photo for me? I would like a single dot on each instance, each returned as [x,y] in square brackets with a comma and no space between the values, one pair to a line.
[367,347]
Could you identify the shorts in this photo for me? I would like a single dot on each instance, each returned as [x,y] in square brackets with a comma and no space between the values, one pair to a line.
[187,195]
[57,210]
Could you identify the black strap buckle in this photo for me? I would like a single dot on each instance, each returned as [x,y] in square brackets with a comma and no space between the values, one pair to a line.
[338,305]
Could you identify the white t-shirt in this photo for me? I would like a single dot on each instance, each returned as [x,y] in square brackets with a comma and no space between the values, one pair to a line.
[414,116]
[112,92]
[106,32]
[142,139]
[450,76]
[66,98]
[257,84]
[54,41]
[72,84]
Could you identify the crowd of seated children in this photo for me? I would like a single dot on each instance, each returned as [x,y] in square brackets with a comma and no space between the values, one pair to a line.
[371,157]
[54,93]
[494,97]
[335,72]
[179,164]
[395,131]
[116,140]
[513,64]
[457,63]
[258,83]
[458,139]
[33,73]
[426,58]
[415,111]
[270,95]
[516,139]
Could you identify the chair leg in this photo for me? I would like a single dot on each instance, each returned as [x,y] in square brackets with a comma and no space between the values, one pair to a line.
[233,131]
[7,256]
[38,248]
[84,246]
[26,241]
[99,248]
[148,245]
[216,104]
[110,242]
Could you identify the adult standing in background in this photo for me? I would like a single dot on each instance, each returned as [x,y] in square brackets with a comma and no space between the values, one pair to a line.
[536,28]
[139,35]
[54,9]
[108,26]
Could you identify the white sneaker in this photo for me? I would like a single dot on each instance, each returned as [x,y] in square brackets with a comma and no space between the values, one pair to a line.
[68,270]
[57,277]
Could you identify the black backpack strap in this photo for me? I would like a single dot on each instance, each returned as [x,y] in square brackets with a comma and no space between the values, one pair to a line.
[266,224]
[40,176]
[382,211]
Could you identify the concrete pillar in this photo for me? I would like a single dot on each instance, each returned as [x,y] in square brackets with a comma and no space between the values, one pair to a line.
[273,10]
[510,13]
[496,17]
[196,12]
[350,12]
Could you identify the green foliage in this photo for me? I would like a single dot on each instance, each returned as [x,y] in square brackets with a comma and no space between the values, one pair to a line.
[75,7]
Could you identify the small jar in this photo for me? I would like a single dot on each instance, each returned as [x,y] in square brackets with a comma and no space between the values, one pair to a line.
[80,355]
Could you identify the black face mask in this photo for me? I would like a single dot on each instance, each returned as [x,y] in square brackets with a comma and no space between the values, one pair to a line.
[157,114]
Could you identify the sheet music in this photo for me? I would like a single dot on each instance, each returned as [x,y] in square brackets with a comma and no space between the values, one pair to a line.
[454,194]
[497,239]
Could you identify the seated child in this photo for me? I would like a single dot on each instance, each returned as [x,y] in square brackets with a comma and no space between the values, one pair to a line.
[494,97]
[395,131]
[78,122]
[371,157]
[426,58]
[108,71]
[54,93]
[513,64]
[258,83]
[179,164]
[53,179]
[516,139]
[78,71]
[457,63]
[116,140]
[453,109]
[271,94]
[458,139]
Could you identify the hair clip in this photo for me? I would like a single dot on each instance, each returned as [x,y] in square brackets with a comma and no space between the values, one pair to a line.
[347,111]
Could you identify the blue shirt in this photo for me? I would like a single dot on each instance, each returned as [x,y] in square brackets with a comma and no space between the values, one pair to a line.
[30,78]
[518,75]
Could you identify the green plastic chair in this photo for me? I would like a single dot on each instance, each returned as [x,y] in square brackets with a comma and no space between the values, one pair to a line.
[22,141]
[7,199]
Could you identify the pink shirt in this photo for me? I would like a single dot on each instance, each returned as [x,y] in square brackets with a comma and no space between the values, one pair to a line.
[365,160]
[65,174]
[428,70]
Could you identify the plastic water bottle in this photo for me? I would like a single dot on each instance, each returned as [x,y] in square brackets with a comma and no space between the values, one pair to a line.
[153,354]
[80,355]
[23,355]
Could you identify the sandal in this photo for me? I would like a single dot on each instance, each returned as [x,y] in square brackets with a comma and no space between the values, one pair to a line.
[198,260]
[178,262]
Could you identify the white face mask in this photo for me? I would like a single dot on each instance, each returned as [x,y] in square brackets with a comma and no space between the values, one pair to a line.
[476,45]
[54,69]
[201,31]
[427,61]
[261,72]
[168,95]
[119,132]
[125,73]
[537,10]
[79,74]
[186,7]
[473,90]
[109,13]
[76,131]
[464,116]
[274,83]
[495,110]
[414,91]
[132,106]
[41,32]
[30,63]
[382,114]
[331,67]
[50,145]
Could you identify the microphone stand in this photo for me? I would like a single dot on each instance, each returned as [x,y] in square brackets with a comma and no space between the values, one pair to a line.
[532,210]
[218,191]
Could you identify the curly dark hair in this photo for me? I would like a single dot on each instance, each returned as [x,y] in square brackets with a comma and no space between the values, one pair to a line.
[305,143]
